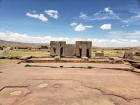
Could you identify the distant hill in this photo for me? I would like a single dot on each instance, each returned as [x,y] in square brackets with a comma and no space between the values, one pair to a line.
[11,44]
[124,48]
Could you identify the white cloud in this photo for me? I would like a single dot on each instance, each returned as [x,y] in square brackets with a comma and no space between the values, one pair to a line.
[52,13]
[40,17]
[120,42]
[125,26]
[107,9]
[17,37]
[83,15]
[105,14]
[82,27]
[134,33]
[73,24]
[125,35]
[135,19]
[106,26]
[137,33]
[134,15]
[89,26]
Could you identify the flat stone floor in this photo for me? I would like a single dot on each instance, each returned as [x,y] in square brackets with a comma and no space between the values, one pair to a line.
[104,84]
[72,59]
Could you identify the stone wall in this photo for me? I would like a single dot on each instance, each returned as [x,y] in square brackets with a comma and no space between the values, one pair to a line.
[70,50]
[57,48]
[128,55]
[80,49]
[83,48]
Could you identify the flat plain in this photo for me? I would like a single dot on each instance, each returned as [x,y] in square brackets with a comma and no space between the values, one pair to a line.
[68,84]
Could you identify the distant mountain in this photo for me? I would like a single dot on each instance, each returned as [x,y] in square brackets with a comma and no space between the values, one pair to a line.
[11,44]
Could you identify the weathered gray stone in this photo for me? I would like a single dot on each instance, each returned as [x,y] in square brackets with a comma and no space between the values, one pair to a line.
[84,59]
[70,50]
[57,58]
[128,55]
[80,49]
[57,48]
[83,48]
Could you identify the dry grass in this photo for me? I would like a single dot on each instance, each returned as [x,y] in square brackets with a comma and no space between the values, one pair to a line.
[137,58]
[46,53]
[19,53]
[109,52]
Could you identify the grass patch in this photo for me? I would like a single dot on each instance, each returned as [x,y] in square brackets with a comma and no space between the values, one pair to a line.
[109,52]
[3,57]
[20,53]
[27,65]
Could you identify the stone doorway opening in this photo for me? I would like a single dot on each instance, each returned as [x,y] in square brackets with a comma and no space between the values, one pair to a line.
[61,51]
[54,49]
[87,53]
[80,52]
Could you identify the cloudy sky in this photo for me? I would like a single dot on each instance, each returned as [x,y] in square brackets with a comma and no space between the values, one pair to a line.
[108,23]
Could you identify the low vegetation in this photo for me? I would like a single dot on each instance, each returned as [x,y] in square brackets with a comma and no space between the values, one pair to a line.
[108,52]
[20,53]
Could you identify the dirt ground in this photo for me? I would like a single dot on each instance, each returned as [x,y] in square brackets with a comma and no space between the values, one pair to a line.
[68,84]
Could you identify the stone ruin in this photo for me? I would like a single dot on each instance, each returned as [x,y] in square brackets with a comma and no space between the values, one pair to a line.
[83,48]
[79,49]
[131,54]
[128,55]
[1,48]
[137,53]
[57,48]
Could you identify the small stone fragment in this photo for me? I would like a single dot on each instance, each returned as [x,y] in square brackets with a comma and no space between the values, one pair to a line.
[42,85]
[16,93]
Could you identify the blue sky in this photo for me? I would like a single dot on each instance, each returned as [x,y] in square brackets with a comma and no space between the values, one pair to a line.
[109,23]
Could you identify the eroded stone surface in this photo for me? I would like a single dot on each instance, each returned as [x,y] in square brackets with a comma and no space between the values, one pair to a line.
[9,96]
[43,85]
[100,85]
[65,92]
[16,93]
[79,49]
